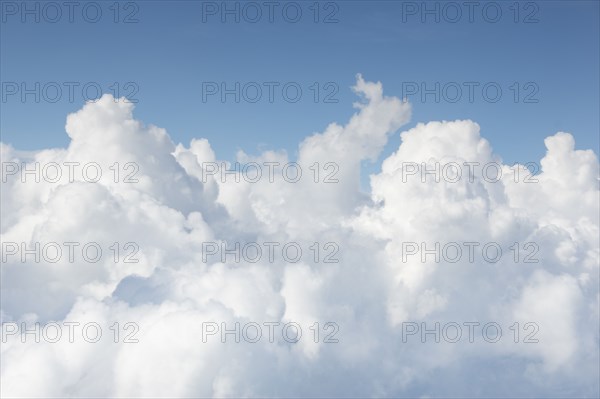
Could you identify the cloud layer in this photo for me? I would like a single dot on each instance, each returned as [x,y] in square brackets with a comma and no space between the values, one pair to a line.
[373,294]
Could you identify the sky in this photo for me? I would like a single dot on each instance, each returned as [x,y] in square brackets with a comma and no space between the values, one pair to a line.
[175,46]
[415,210]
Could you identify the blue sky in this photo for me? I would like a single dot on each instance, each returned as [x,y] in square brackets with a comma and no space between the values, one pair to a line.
[170,51]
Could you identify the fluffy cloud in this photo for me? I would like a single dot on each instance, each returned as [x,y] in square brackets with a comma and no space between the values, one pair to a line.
[179,288]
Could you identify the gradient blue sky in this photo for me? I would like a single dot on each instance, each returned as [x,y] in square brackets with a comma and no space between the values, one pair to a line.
[170,52]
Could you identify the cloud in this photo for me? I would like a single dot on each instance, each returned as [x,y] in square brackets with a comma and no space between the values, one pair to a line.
[356,282]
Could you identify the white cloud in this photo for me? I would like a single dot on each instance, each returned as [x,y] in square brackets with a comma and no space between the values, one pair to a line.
[170,292]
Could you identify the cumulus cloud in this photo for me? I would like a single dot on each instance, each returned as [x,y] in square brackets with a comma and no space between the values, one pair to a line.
[172,212]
